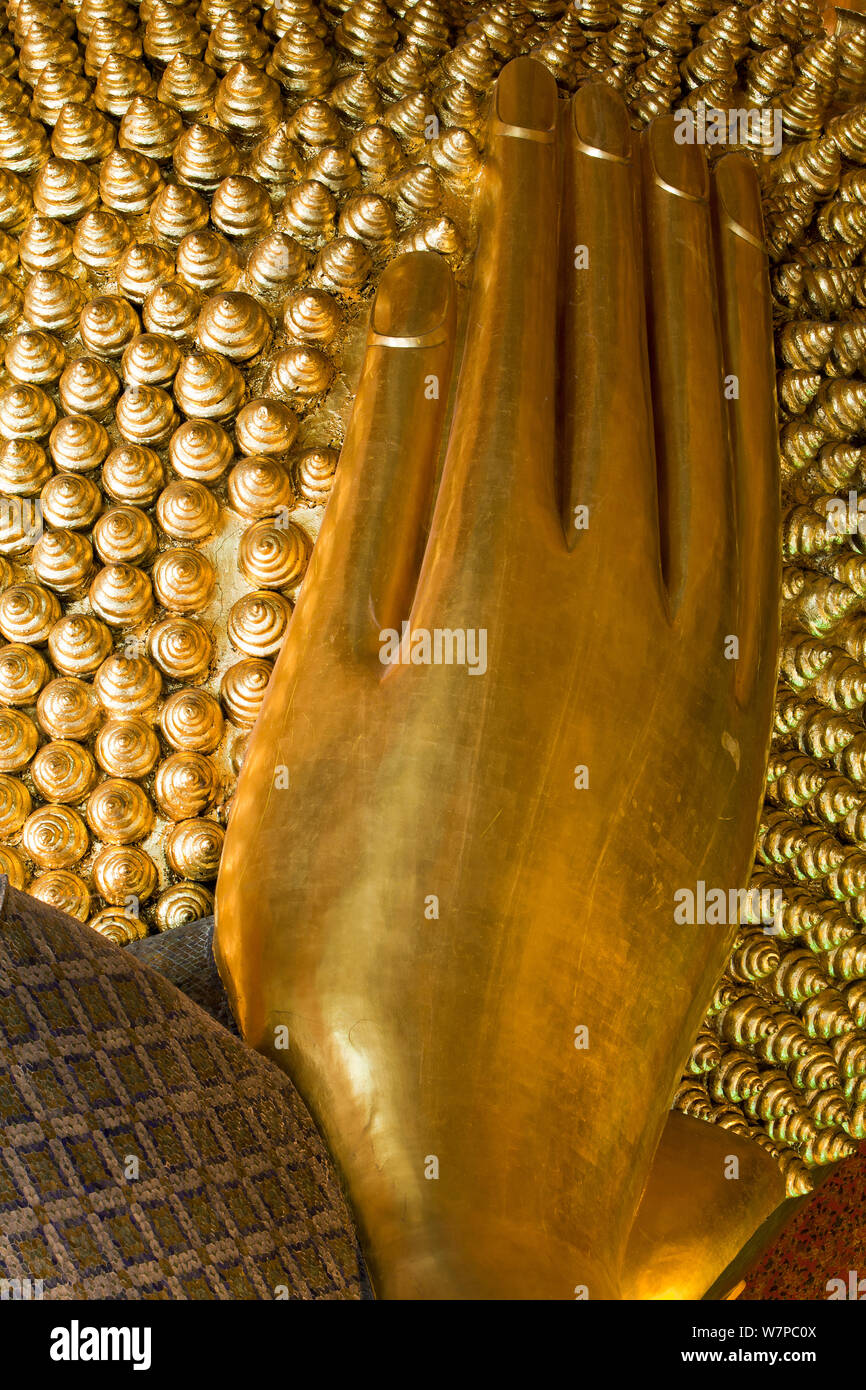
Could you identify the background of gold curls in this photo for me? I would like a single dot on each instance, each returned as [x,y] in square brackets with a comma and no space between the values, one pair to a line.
[195,205]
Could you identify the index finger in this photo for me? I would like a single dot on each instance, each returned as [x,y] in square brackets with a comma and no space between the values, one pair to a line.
[498,477]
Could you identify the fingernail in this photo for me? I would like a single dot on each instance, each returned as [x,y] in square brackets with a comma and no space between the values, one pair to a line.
[414,296]
[680,166]
[601,120]
[739,195]
[526,97]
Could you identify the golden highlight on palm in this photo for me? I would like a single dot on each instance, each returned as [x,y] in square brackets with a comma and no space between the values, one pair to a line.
[469,953]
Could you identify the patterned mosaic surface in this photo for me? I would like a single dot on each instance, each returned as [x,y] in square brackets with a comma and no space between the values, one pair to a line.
[825,1241]
[184,955]
[145,1152]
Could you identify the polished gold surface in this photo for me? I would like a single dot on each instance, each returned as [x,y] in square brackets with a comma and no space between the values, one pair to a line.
[686,1233]
[452,962]
[208,182]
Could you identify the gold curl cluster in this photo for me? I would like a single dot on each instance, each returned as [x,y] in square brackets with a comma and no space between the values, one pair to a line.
[196,201]
[783,1049]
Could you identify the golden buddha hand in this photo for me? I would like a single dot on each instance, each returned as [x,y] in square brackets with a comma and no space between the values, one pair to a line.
[517,713]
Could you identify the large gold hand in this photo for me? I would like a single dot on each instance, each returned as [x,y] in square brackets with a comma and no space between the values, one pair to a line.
[470,962]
